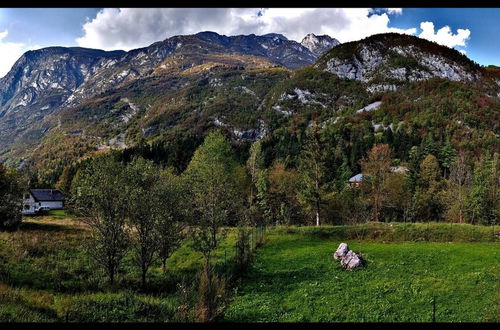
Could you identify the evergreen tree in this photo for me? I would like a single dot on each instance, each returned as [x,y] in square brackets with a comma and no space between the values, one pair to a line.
[446,157]
[429,146]
[483,207]
[429,192]
[312,168]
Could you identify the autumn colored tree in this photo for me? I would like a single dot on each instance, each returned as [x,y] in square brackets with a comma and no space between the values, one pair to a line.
[283,187]
[376,168]
[459,185]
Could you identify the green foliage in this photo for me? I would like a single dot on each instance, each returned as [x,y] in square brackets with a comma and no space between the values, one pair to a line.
[99,195]
[399,61]
[483,206]
[117,307]
[429,196]
[46,275]
[312,181]
[11,194]
[145,211]
[213,184]
[172,221]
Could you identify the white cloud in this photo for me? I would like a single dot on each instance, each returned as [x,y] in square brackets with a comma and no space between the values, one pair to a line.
[444,35]
[11,51]
[139,27]
[395,11]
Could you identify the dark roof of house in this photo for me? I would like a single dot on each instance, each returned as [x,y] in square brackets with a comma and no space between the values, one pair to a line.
[47,195]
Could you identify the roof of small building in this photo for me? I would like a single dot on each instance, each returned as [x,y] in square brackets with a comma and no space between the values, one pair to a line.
[356,178]
[47,195]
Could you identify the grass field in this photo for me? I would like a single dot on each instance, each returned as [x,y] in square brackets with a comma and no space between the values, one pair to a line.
[45,276]
[295,279]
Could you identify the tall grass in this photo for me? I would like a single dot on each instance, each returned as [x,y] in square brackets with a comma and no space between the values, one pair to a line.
[399,232]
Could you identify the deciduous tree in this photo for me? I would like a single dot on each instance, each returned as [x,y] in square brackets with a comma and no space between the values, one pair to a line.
[99,196]
[11,198]
[375,168]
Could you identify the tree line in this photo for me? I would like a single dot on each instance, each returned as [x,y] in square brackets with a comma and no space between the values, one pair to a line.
[135,205]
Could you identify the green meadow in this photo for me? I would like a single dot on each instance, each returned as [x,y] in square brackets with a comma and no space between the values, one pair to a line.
[295,279]
[46,276]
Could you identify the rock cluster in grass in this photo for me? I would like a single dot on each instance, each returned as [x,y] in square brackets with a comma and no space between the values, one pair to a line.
[348,258]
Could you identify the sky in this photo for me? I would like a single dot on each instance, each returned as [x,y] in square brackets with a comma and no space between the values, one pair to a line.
[473,31]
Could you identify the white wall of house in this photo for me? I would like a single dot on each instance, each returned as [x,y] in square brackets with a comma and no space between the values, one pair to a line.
[53,205]
[29,204]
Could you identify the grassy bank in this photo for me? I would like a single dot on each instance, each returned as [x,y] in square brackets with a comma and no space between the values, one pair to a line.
[399,232]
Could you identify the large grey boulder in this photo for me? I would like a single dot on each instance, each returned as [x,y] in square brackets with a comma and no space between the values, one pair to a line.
[348,258]
[341,251]
[351,260]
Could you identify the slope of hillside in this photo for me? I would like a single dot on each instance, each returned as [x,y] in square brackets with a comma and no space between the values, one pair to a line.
[56,78]
[201,86]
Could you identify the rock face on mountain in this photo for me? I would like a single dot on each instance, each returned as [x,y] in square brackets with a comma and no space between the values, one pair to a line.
[45,80]
[274,46]
[393,59]
[41,81]
[61,103]
[46,77]
[319,45]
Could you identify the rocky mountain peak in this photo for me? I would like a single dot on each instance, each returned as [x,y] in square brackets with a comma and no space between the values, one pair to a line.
[397,58]
[318,45]
[276,35]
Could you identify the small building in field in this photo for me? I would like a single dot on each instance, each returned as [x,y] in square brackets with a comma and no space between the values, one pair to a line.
[42,199]
[356,180]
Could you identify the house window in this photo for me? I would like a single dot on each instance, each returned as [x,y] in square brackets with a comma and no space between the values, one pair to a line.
[26,207]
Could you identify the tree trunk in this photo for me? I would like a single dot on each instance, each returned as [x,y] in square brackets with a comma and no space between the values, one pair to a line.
[318,204]
[111,274]
[143,277]
[164,265]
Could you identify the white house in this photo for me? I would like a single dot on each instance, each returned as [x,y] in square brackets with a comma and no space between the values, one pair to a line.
[356,180]
[36,199]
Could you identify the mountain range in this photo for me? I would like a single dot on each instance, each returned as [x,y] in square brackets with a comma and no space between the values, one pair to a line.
[59,104]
